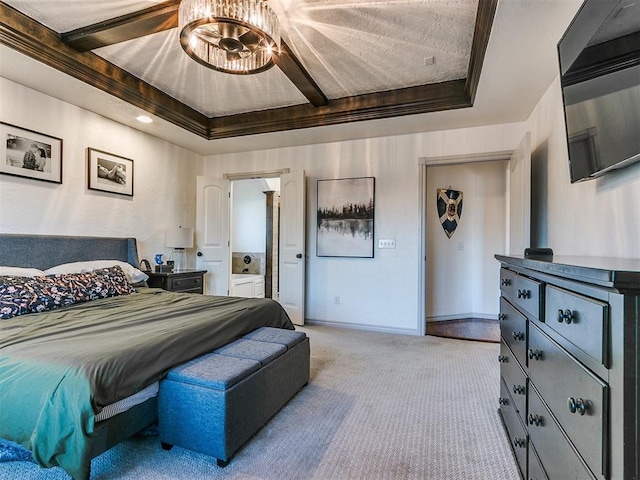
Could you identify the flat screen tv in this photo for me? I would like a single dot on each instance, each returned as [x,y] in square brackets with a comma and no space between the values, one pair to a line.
[599,58]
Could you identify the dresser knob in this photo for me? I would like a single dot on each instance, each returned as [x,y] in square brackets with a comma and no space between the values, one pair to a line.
[519,442]
[502,316]
[577,406]
[535,420]
[566,316]
[503,401]
[535,354]
[503,358]
[519,389]
[505,282]
[518,336]
[524,294]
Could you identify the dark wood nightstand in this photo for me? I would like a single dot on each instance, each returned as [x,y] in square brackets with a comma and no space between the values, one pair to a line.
[187,281]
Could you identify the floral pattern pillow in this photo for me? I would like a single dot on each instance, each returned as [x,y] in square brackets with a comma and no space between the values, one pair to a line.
[21,295]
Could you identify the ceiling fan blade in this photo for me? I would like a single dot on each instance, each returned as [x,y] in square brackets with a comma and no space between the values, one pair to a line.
[208,33]
[231,30]
[233,56]
[251,40]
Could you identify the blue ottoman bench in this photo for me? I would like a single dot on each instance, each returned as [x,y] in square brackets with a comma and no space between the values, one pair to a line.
[215,403]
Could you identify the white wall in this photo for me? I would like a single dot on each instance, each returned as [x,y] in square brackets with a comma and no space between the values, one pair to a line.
[249,221]
[593,218]
[379,293]
[462,273]
[164,177]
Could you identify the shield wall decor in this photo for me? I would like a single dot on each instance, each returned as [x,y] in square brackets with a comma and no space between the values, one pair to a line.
[449,209]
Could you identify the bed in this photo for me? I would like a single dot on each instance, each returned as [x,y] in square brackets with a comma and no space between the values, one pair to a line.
[63,368]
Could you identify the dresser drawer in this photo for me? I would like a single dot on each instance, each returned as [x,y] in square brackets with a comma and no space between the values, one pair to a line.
[515,431]
[515,380]
[522,291]
[185,283]
[581,320]
[513,328]
[536,472]
[558,458]
[576,397]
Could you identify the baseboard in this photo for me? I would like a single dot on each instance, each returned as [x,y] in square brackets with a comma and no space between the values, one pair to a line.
[360,326]
[463,316]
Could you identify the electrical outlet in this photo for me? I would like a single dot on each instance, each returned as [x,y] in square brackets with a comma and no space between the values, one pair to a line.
[336,300]
[386,243]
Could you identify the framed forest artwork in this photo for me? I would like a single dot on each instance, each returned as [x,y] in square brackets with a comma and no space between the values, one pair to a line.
[345,217]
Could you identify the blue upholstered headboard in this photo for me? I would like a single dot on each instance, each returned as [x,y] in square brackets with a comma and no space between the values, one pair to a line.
[45,251]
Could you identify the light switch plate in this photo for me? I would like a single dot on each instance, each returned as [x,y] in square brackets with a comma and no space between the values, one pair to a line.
[386,243]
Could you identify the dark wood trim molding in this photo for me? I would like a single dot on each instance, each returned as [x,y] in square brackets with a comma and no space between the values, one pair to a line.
[268,274]
[481,34]
[31,38]
[157,18]
[392,103]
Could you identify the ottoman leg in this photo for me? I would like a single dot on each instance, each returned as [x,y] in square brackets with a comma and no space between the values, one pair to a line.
[222,463]
[166,446]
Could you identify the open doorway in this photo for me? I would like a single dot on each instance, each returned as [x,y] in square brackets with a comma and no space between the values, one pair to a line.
[255,225]
[462,272]
[213,235]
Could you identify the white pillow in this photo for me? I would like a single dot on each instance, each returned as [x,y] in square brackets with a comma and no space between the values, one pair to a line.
[133,274]
[21,272]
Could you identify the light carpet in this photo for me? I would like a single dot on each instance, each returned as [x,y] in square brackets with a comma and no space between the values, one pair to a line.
[378,406]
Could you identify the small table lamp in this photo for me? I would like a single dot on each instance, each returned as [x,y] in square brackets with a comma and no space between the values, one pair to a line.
[179,239]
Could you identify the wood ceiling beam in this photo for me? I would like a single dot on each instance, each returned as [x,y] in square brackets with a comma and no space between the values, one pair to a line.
[158,18]
[293,69]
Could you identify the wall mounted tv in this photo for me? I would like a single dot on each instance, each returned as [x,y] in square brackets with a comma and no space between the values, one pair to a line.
[600,76]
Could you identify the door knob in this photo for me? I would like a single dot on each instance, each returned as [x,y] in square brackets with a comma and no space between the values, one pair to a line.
[299,255]
[199,254]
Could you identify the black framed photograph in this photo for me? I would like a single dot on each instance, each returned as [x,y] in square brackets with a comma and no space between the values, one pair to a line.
[345,217]
[30,154]
[110,173]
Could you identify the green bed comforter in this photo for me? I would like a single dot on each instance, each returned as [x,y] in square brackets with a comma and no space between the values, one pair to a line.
[60,368]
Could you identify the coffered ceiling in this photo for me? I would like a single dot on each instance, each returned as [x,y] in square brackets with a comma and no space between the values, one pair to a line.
[343,64]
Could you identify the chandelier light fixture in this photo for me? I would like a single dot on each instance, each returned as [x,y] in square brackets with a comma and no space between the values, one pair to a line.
[231,36]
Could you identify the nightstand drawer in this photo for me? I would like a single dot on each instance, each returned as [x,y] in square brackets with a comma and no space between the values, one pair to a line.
[189,281]
[185,283]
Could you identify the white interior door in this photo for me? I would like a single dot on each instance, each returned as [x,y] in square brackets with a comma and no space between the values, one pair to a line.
[519,198]
[212,233]
[292,245]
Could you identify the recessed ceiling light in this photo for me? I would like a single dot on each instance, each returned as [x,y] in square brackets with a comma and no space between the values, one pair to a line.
[144,119]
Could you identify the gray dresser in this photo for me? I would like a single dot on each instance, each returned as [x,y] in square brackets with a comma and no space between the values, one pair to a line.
[569,362]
